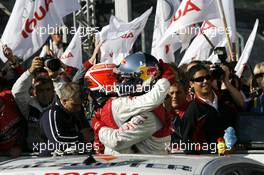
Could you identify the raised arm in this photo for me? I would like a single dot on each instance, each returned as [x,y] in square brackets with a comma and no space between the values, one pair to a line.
[22,86]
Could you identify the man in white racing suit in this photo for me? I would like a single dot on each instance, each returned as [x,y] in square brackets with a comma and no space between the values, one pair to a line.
[136,124]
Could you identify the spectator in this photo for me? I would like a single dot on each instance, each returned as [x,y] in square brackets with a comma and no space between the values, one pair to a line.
[178,95]
[12,128]
[11,70]
[207,116]
[55,47]
[256,104]
[259,74]
[222,84]
[32,105]
[64,122]
[61,77]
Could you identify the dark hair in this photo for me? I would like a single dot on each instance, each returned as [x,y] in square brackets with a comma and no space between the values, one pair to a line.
[183,68]
[183,84]
[207,62]
[195,69]
[40,80]
[196,62]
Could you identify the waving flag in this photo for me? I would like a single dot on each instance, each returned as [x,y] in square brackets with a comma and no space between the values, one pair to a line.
[186,37]
[200,48]
[119,37]
[190,12]
[164,13]
[28,25]
[229,11]
[247,50]
[73,54]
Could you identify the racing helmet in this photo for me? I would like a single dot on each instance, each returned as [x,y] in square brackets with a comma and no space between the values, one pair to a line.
[100,81]
[137,73]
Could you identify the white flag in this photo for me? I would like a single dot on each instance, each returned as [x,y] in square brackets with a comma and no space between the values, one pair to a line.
[229,11]
[30,22]
[200,49]
[190,12]
[73,54]
[247,50]
[121,37]
[164,13]
[186,36]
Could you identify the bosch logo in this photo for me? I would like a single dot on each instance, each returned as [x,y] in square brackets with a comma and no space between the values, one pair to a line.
[91,173]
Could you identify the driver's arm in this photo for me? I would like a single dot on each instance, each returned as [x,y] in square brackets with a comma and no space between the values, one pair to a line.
[136,130]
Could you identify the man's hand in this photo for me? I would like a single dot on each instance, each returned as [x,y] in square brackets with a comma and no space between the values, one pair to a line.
[36,64]
[95,53]
[227,73]
[9,54]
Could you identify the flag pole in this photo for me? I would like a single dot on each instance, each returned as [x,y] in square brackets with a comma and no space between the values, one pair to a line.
[208,40]
[223,18]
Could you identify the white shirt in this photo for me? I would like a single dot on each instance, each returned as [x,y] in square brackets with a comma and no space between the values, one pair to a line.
[214,103]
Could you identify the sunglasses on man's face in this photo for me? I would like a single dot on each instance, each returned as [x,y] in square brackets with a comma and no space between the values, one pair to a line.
[201,79]
[259,75]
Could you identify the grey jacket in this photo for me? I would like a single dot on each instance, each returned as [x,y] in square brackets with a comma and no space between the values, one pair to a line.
[29,107]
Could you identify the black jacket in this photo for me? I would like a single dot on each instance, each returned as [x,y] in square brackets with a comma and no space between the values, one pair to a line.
[203,123]
[59,126]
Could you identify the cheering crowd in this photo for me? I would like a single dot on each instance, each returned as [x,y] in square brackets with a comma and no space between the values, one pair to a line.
[138,106]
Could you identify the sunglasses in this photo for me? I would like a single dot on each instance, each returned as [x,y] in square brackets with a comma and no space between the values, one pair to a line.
[259,75]
[201,79]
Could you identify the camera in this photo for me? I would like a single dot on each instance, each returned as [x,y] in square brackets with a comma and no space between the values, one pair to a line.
[221,53]
[217,72]
[52,63]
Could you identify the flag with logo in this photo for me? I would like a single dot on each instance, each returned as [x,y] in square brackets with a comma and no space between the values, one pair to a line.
[120,36]
[31,21]
[228,6]
[190,12]
[73,54]
[200,48]
[164,13]
[247,50]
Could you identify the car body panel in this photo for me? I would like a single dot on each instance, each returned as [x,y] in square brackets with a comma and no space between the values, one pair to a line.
[118,165]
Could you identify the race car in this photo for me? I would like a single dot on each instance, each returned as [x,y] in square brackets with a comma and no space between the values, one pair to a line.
[126,164]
